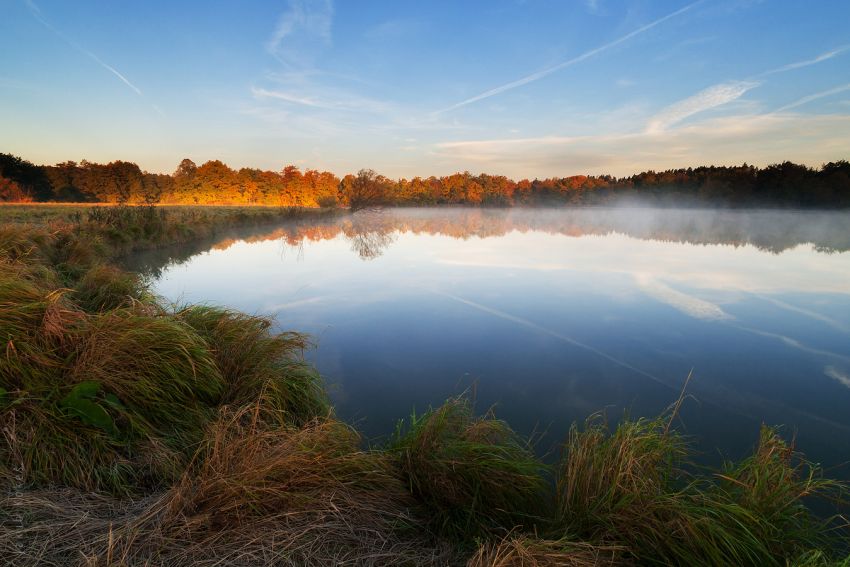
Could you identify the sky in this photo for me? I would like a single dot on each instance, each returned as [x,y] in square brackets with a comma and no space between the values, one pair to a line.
[524,88]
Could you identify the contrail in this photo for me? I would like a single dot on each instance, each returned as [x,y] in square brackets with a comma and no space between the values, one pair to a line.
[801,64]
[111,69]
[810,98]
[570,62]
[550,332]
[36,12]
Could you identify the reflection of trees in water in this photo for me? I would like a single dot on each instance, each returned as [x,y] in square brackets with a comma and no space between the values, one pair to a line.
[370,245]
[372,232]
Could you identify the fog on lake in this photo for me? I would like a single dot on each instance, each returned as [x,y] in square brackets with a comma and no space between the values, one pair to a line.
[552,315]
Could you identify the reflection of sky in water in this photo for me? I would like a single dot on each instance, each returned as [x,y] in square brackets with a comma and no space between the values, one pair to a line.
[552,327]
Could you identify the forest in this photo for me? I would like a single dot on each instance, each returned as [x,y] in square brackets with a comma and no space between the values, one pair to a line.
[784,184]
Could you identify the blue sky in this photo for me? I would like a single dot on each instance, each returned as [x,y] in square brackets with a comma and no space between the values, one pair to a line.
[526,88]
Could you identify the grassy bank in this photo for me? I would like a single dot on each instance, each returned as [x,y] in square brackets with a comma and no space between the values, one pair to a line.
[136,433]
[118,230]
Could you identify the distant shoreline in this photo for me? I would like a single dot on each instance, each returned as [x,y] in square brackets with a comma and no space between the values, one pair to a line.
[779,185]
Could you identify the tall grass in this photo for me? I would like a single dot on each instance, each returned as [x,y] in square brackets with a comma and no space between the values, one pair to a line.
[105,287]
[103,389]
[33,322]
[474,475]
[775,486]
[259,364]
[161,373]
[631,487]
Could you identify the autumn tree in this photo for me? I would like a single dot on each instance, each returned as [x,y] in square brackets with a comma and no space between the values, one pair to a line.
[29,177]
[184,181]
[11,192]
[126,180]
[366,189]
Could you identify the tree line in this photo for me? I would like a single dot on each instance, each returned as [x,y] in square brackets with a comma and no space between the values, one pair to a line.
[784,184]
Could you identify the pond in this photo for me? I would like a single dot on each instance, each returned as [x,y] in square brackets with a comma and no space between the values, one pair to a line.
[549,316]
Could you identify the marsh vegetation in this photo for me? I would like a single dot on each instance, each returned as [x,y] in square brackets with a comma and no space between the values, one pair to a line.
[137,432]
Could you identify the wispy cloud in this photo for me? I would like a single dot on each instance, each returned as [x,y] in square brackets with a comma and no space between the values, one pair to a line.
[37,14]
[706,99]
[325,98]
[392,30]
[664,142]
[592,6]
[727,92]
[584,56]
[813,97]
[287,97]
[761,139]
[302,30]
[311,101]
[800,64]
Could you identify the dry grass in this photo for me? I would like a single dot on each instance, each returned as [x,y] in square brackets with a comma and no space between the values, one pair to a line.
[258,496]
[528,551]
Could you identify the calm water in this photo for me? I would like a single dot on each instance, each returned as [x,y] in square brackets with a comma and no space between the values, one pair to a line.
[553,315]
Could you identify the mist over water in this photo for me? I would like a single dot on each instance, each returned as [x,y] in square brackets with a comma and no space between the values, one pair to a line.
[551,315]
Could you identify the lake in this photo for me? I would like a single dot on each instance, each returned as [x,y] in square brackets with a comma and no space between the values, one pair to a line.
[549,316]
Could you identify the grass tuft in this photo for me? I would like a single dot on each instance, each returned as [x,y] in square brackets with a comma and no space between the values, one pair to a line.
[157,367]
[630,487]
[258,364]
[104,288]
[474,475]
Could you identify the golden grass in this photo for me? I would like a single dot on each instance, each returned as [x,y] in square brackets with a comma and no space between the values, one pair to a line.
[256,496]
[529,551]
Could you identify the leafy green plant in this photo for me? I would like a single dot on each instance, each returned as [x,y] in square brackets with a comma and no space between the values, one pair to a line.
[81,401]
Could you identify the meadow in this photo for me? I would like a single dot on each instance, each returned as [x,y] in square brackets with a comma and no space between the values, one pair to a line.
[136,432]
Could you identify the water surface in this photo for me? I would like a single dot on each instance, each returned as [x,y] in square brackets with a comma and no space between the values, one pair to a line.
[551,316]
